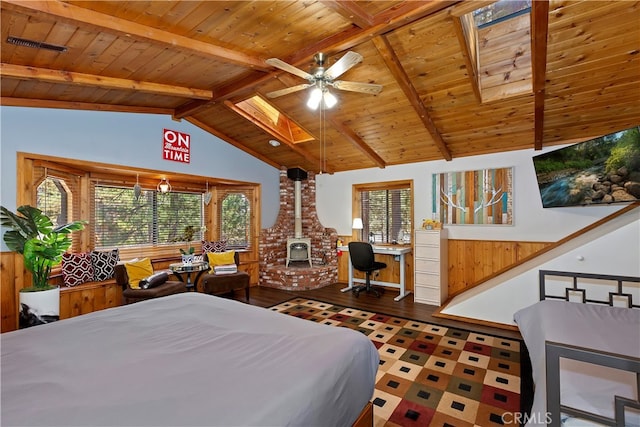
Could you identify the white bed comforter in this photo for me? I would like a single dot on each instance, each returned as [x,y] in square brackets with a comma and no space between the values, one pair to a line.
[185,360]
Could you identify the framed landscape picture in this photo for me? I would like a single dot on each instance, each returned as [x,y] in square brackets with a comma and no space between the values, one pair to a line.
[473,197]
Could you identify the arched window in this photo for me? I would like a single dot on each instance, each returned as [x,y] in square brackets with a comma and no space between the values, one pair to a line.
[53,198]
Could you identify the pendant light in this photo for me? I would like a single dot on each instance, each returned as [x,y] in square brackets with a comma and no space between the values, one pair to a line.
[137,189]
[163,186]
[207,195]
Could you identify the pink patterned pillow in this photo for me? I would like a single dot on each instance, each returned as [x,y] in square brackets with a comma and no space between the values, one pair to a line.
[76,268]
[219,246]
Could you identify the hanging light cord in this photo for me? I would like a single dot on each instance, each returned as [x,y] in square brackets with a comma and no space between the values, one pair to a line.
[323,152]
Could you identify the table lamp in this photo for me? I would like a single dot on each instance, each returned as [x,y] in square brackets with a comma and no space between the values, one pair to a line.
[357,225]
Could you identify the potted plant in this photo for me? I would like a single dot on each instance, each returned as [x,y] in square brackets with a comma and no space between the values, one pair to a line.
[32,234]
[187,236]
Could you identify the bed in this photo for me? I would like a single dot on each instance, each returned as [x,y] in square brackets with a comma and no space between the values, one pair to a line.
[189,359]
[584,350]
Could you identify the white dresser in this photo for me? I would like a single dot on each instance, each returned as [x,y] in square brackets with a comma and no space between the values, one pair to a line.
[430,266]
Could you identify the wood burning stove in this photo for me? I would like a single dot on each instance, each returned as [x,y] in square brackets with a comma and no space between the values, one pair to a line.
[298,247]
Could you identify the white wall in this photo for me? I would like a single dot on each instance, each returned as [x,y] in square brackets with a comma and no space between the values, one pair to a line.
[531,221]
[124,139]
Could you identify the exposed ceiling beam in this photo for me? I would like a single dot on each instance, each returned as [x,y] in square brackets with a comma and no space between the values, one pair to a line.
[73,105]
[358,142]
[465,48]
[231,141]
[384,22]
[351,11]
[391,19]
[393,63]
[78,15]
[82,79]
[539,35]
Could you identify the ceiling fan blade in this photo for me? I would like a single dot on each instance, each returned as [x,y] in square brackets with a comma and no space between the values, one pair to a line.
[343,64]
[358,87]
[275,62]
[286,91]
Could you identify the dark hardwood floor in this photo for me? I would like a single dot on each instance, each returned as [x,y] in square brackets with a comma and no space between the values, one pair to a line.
[267,297]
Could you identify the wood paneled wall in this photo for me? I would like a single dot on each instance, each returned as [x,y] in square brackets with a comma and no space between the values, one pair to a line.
[473,261]
[78,300]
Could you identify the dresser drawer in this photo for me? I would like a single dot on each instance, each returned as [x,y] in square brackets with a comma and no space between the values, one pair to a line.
[427,295]
[428,238]
[427,252]
[427,279]
[427,265]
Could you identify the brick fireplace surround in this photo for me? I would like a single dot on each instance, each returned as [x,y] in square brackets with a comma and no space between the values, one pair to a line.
[273,242]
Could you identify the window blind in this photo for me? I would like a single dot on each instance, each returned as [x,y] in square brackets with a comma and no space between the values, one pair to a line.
[121,220]
[385,214]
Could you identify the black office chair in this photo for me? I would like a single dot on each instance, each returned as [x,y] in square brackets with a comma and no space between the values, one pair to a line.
[362,259]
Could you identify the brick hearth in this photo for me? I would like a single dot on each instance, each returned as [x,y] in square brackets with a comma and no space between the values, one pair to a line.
[273,242]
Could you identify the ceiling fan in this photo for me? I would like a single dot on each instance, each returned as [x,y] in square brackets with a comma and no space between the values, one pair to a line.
[321,78]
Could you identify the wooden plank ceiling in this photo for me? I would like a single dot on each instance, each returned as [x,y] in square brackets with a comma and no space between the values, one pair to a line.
[567,71]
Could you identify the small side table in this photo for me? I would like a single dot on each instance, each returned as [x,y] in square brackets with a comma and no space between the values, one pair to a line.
[180,269]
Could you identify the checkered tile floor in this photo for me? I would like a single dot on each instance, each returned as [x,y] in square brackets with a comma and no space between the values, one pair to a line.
[429,375]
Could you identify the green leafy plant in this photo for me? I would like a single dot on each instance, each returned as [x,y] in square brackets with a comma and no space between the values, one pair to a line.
[33,235]
[187,236]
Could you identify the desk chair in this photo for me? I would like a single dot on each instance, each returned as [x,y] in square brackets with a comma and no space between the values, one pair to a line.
[362,259]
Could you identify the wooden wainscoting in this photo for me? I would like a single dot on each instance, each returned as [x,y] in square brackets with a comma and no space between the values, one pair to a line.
[87,298]
[472,261]
[10,282]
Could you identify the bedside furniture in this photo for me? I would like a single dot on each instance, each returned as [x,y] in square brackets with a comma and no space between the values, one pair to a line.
[430,266]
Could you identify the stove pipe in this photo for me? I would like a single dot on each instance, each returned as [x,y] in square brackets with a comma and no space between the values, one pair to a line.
[297,175]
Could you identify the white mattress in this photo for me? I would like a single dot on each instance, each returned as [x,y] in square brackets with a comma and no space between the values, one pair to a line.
[598,327]
[185,360]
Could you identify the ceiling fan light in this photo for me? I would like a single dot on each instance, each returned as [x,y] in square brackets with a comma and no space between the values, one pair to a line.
[330,99]
[314,99]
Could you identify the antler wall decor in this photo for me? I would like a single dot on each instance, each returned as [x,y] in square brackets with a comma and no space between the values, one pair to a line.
[474,197]
[447,199]
[492,201]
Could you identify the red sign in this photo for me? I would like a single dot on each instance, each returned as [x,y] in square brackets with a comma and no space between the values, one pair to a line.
[176,146]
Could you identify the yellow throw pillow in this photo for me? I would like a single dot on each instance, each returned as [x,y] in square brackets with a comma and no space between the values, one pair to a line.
[220,258]
[138,270]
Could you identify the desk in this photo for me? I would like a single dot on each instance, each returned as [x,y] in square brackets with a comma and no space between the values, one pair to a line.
[180,268]
[399,251]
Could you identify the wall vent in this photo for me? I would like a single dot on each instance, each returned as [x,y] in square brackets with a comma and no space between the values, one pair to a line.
[38,45]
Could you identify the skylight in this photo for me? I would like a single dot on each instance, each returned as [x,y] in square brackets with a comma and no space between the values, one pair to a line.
[499,11]
[259,111]
[498,38]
